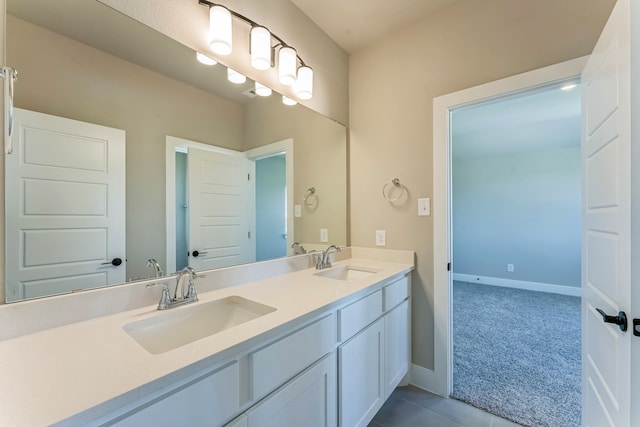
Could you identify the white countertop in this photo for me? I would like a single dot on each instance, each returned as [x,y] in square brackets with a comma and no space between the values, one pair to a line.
[56,373]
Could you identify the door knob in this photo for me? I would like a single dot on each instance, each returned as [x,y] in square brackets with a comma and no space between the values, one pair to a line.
[620,319]
[115,262]
[196,254]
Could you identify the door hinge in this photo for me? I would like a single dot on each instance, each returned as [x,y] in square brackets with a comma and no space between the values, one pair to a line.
[248,177]
[636,327]
[448,266]
[248,234]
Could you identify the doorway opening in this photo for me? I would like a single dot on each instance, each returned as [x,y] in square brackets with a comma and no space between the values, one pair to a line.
[515,215]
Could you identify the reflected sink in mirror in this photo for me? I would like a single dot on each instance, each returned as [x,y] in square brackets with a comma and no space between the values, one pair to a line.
[346,273]
[184,325]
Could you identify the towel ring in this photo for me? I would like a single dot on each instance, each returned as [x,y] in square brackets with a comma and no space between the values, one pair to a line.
[386,190]
[311,196]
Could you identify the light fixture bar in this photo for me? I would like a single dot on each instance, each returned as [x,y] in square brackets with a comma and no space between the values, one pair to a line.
[252,23]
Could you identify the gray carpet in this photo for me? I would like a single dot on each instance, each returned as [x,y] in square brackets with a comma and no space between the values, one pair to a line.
[517,354]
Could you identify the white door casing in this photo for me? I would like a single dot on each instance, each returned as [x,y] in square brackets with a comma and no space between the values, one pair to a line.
[65,206]
[607,224]
[220,200]
[440,379]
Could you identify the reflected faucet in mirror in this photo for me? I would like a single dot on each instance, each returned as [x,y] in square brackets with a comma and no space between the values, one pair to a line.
[298,249]
[153,264]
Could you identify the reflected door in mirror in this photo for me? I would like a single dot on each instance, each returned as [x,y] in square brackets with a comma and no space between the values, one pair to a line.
[65,210]
[220,209]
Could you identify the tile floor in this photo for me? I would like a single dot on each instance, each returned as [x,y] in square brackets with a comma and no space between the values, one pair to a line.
[412,407]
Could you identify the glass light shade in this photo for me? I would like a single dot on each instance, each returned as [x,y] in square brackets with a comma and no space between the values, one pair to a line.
[260,48]
[287,65]
[235,77]
[262,90]
[304,83]
[288,101]
[204,59]
[220,30]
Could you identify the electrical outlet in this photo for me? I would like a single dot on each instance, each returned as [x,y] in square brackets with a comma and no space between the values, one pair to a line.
[510,268]
[381,238]
[297,211]
[324,235]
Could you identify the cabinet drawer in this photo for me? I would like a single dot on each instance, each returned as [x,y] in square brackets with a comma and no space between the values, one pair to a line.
[209,400]
[273,365]
[395,293]
[358,315]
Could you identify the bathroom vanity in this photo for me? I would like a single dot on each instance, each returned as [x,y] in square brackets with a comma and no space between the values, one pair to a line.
[302,347]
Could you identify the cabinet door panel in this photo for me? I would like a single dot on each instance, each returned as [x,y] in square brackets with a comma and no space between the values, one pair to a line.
[361,362]
[396,345]
[308,400]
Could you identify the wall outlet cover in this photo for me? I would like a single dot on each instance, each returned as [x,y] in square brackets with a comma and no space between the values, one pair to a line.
[424,207]
[297,211]
[381,238]
[324,235]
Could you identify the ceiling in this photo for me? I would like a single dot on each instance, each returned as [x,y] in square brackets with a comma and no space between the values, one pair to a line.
[356,23]
[537,120]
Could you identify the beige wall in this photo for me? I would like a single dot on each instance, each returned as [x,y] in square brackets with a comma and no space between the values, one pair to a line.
[392,84]
[62,77]
[320,161]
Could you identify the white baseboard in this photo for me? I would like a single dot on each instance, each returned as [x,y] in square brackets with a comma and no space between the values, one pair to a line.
[520,284]
[425,379]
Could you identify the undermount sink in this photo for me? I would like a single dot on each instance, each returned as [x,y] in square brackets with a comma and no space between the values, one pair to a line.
[346,272]
[187,324]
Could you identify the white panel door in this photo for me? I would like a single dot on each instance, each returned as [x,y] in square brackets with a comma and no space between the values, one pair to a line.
[220,209]
[65,206]
[607,225]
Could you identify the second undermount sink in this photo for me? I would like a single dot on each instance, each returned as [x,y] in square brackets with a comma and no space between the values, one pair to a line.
[346,272]
[177,327]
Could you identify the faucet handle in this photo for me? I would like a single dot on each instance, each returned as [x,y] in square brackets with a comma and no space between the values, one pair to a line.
[165,299]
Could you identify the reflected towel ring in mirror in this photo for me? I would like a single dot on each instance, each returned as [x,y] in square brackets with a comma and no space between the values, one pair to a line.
[310,196]
[386,190]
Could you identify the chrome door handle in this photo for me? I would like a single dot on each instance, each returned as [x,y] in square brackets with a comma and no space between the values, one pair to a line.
[620,319]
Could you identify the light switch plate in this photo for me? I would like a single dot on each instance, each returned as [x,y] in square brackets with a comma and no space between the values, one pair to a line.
[324,235]
[381,238]
[424,207]
[297,211]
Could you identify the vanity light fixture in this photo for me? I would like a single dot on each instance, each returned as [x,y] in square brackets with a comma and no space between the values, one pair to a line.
[304,83]
[263,44]
[288,101]
[287,65]
[220,33]
[260,48]
[262,90]
[204,59]
[235,77]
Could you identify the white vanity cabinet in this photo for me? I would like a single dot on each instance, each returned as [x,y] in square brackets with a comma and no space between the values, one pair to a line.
[335,368]
[372,362]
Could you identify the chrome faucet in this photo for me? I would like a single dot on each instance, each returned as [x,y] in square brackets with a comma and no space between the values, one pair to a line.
[180,297]
[190,273]
[322,259]
[152,263]
[298,249]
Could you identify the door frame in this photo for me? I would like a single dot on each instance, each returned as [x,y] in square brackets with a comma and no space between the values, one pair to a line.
[440,379]
[285,147]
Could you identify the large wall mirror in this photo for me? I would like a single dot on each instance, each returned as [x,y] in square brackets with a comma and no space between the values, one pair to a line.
[181,123]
